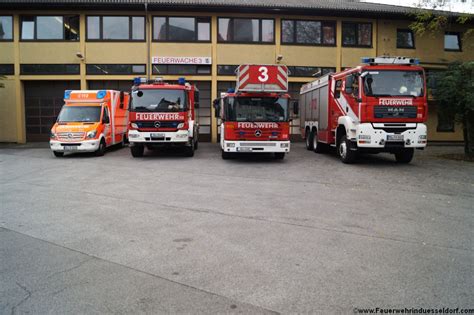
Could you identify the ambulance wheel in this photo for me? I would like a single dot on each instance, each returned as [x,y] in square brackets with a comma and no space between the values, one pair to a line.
[347,156]
[58,154]
[404,156]
[101,150]
[318,147]
[190,150]
[309,140]
[226,155]
[137,150]
[280,155]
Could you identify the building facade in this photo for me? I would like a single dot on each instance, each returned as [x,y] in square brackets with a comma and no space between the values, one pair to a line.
[49,46]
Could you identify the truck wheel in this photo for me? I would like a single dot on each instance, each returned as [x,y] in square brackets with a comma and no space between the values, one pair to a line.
[190,150]
[101,150]
[347,156]
[58,154]
[318,147]
[404,156]
[226,155]
[196,144]
[309,140]
[137,150]
[279,155]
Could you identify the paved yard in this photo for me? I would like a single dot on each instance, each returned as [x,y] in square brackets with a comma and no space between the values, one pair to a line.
[167,233]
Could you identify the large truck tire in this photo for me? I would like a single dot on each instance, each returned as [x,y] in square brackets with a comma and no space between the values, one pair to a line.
[189,150]
[196,144]
[101,150]
[58,154]
[226,155]
[309,140]
[318,147]
[137,150]
[346,155]
[404,156]
[280,155]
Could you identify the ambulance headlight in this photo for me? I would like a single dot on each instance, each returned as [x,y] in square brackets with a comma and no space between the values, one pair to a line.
[52,135]
[91,134]
[180,125]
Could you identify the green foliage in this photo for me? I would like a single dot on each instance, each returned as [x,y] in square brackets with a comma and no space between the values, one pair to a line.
[454,94]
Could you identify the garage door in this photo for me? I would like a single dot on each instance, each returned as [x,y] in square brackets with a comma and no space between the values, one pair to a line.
[43,101]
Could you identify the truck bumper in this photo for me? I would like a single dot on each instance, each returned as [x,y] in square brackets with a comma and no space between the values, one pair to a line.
[137,137]
[78,146]
[257,146]
[381,136]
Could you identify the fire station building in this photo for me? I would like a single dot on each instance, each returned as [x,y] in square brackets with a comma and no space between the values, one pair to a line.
[49,46]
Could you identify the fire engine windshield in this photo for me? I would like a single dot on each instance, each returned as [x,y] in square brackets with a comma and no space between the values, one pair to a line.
[80,114]
[257,109]
[163,100]
[393,83]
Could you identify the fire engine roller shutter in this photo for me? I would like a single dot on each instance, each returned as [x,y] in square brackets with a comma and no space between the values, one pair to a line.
[43,101]
[204,111]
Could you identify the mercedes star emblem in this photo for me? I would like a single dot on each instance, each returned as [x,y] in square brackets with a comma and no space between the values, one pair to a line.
[157,124]
[258,133]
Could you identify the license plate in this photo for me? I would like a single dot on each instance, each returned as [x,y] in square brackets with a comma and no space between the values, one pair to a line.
[394,137]
[243,149]
[70,148]
[157,135]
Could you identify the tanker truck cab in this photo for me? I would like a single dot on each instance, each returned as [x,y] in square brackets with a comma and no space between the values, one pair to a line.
[90,121]
[163,115]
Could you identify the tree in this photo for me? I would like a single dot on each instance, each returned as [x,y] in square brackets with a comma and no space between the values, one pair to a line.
[454,93]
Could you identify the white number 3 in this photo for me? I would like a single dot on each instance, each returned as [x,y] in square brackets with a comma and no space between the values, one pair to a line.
[263,74]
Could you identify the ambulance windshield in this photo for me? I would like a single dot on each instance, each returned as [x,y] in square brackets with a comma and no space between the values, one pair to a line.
[393,83]
[163,100]
[272,109]
[80,114]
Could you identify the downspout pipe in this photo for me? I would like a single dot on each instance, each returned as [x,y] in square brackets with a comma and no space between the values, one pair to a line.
[148,41]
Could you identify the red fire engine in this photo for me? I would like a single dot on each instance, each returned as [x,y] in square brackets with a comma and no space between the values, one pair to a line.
[379,106]
[255,116]
[163,114]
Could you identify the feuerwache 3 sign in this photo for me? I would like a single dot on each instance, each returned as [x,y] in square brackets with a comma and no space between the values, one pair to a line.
[181,60]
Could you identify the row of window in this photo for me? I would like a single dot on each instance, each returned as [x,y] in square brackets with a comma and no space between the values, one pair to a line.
[191,29]
[140,69]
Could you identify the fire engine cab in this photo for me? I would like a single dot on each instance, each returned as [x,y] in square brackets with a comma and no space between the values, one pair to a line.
[379,106]
[163,114]
[255,116]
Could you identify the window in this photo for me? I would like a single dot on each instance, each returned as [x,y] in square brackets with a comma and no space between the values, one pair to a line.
[50,28]
[239,30]
[181,29]
[303,71]
[116,28]
[227,69]
[7,69]
[405,39]
[117,69]
[6,28]
[357,34]
[308,32]
[35,69]
[181,69]
[452,41]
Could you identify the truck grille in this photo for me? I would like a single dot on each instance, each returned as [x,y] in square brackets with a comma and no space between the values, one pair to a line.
[71,136]
[395,111]
[163,124]
[256,144]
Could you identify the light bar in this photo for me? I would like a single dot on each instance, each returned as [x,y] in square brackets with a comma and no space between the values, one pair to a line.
[391,60]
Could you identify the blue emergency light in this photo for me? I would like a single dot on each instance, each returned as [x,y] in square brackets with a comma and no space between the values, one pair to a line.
[136,81]
[231,90]
[67,94]
[181,81]
[101,94]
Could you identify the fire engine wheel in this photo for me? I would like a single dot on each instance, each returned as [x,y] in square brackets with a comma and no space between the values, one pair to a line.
[318,147]
[58,154]
[190,149]
[279,155]
[137,150]
[226,155]
[309,140]
[101,150]
[196,144]
[404,156]
[347,156]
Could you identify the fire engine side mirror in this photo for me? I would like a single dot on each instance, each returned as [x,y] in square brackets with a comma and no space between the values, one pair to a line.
[217,108]
[296,107]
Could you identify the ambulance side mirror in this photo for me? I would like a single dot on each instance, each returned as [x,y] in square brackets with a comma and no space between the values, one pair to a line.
[121,99]
[217,108]
[296,107]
